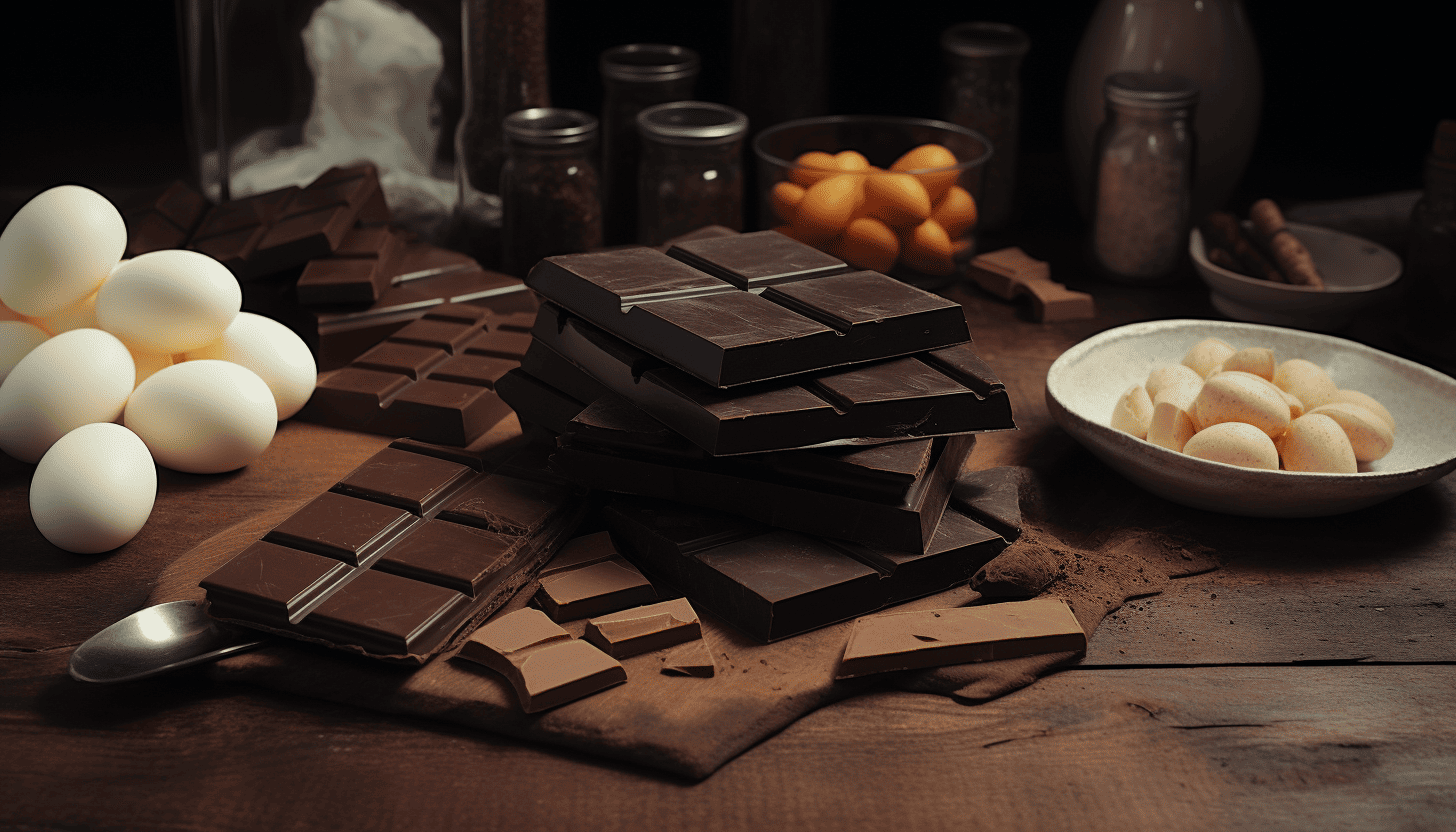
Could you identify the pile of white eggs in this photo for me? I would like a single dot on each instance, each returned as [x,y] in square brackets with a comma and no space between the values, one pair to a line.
[107,365]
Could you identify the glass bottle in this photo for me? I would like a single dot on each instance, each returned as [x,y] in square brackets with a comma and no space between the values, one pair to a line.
[982,91]
[634,76]
[691,171]
[1208,42]
[550,188]
[1144,175]
[1430,257]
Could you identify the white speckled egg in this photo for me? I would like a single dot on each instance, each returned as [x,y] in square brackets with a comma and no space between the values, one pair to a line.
[58,248]
[169,301]
[94,489]
[1168,375]
[1366,401]
[1369,435]
[203,417]
[274,352]
[70,380]
[1172,423]
[17,339]
[1241,397]
[1306,381]
[1315,442]
[1206,356]
[1234,443]
[1133,412]
[1256,360]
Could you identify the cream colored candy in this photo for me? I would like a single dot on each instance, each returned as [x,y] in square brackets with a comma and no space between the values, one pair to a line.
[274,352]
[1369,435]
[1306,381]
[1256,360]
[1315,442]
[1133,412]
[1241,397]
[17,339]
[1172,424]
[94,489]
[1365,401]
[203,417]
[169,301]
[58,248]
[1234,443]
[67,381]
[1207,355]
[1166,375]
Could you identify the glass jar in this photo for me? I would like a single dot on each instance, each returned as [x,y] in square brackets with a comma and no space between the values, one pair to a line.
[982,92]
[635,76]
[550,188]
[691,171]
[1144,175]
[1430,256]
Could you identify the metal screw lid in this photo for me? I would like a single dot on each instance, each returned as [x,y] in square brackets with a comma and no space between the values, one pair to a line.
[978,39]
[550,126]
[649,62]
[692,122]
[1153,90]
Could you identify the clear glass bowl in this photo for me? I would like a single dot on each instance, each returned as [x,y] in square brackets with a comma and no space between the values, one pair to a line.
[881,141]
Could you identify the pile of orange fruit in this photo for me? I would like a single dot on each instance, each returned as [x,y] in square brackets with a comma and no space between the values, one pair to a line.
[871,218]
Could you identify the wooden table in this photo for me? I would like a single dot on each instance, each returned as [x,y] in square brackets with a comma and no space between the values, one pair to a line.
[1309,684]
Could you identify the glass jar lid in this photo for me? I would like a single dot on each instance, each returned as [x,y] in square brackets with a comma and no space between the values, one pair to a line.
[550,126]
[1153,90]
[692,122]
[978,39]
[649,62]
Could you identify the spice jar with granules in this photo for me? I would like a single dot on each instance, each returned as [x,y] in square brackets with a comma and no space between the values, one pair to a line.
[1142,201]
[982,91]
[691,169]
[550,189]
[635,76]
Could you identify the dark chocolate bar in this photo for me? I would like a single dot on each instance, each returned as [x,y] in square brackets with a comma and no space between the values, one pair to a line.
[757,306]
[936,393]
[772,583]
[644,629]
[545,665]
[163,219]
[402,557]
[358,272]
[934,638]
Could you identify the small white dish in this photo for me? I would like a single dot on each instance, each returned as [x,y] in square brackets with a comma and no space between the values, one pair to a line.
[1084,384]
[1353,269]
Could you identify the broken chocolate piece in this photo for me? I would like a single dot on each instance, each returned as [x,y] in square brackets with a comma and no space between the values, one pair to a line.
[934,638]
[644,629]
[545,665]
[357,272]
[1010,273]
[588,585]
[691,658]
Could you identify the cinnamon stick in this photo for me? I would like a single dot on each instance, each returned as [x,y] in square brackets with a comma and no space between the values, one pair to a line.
[1286,249]
[1222,230]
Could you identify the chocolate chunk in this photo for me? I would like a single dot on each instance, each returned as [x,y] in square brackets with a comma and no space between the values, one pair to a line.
[357,272]
[379,566]
[644,629]
[593,588]
[933,638]
[726,329]
[582,551]
[163,219]
[545,665]
[691,658]
[936,393]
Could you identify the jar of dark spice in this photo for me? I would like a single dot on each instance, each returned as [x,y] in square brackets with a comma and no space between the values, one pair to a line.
[550,188]
[691,170]
[982,92]
[1144,175]
[635,76]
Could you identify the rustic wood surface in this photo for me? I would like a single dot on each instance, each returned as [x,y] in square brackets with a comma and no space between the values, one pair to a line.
[1306,685]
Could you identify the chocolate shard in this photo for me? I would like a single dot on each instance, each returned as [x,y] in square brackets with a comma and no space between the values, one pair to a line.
[691,658]
[644,629]
[544,664]
[593,589]
[933,638]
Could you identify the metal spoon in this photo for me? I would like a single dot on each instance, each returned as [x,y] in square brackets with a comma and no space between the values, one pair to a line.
[156,640]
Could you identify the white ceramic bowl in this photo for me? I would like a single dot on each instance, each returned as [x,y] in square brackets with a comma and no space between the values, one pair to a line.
[1085,382]
[1352,267]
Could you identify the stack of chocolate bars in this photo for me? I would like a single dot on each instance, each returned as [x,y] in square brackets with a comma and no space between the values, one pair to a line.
[782,435]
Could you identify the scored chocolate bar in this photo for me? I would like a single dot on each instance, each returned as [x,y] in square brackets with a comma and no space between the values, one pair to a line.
[772,583]
[402,557]
[750,307]
[163,218]
[936,393]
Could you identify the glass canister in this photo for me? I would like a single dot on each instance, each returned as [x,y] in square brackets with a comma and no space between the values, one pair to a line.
[691,171]
[550,187]
[982,92]
[1429,323]
[1142,202]
[635,76]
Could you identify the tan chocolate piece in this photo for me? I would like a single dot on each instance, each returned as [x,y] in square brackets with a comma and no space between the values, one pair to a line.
[1010,273]
[545,665]
[933,638]
[589,579]
[691,658]
[645,629]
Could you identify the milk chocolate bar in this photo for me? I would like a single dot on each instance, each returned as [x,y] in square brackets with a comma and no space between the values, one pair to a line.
[934,638]
[163,218]
[751,307]
[431,380]
[590,579]
[545,665]
[403,557]
[772,583]
[357,272]
[644,629]
[935,393]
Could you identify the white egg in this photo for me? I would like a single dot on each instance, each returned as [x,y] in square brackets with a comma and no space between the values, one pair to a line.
[76,316]
[203,417]
[17,339]
[58,248]
[274,352]
[148,363]
[94,489]
[69,380]
[169,301]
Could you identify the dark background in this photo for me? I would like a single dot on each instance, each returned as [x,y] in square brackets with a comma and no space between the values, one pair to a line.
[92,93]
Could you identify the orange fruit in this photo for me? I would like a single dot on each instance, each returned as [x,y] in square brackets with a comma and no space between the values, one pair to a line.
[956,211]
[811,167]
[828,206]
[868,244]
[785,197]
[927,162]
[927,248]
[897,199]
[851,160]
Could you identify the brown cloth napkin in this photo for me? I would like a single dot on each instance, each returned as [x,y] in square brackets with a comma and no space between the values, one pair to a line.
[692,726]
